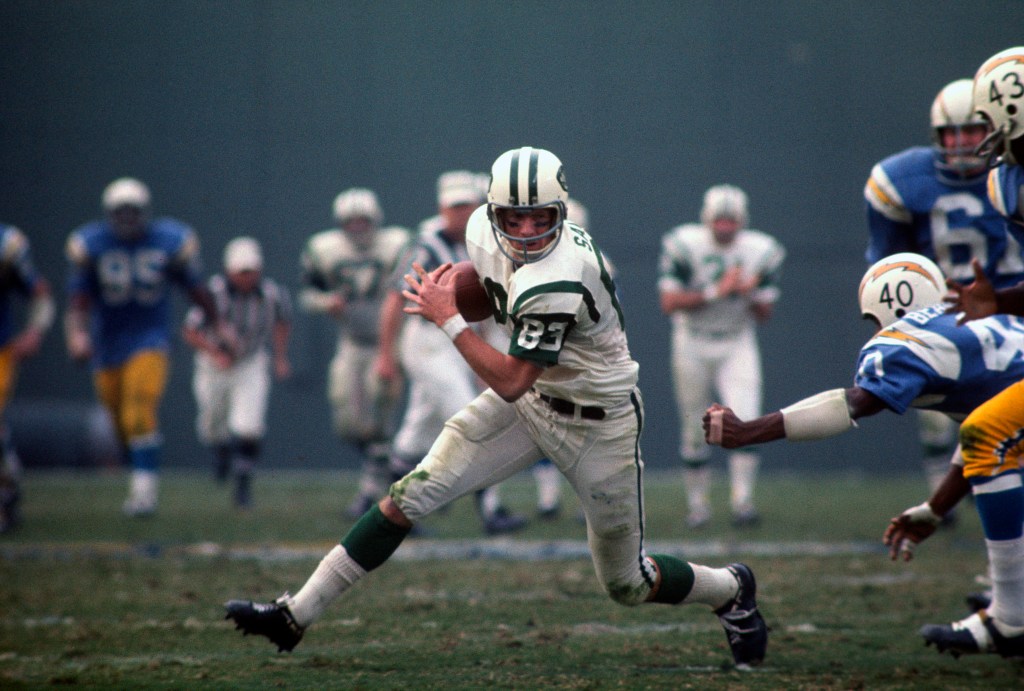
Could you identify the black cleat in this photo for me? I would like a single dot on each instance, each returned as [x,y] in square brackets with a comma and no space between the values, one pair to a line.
[979,601]
[975,634]
[272,620]
[502,522]
[746,518]
[550,513]
[745,628]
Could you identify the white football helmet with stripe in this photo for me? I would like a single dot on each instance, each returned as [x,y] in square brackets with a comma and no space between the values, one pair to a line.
[953,109]
[999,98]
[899,284]
[724,201]
[525,179]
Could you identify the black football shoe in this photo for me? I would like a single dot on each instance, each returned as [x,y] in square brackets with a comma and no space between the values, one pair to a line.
[744,626]
[272,620]
[975,634]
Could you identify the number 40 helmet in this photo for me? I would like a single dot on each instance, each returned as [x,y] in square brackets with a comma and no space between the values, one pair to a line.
[525,179]
[899,284]
[999,98]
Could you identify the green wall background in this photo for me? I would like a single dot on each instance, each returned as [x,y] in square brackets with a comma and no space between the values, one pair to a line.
[249,116]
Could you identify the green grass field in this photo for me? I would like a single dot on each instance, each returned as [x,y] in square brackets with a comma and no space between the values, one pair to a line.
[92,599]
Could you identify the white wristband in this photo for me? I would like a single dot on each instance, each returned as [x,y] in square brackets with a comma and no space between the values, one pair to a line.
[923,513]
[455,325]
[710,293]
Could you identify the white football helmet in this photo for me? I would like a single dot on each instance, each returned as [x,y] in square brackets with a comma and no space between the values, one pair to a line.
[999,98]
[899,284]
[357,202]
[953,109]
[724,201]
[527,179]
[126,192]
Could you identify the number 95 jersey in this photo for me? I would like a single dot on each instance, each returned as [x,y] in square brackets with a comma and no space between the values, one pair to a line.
[561,313]
[128,283]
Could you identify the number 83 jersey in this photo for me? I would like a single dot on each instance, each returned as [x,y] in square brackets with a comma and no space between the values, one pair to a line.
[561,313]
[925,360]
[128,283]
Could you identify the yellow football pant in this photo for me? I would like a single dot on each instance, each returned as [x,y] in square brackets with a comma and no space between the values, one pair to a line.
[992,435]
[132,393]
[8,375]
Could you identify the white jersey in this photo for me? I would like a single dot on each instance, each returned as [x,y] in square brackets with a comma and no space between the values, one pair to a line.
[691,260]
[561,313]
[332,263]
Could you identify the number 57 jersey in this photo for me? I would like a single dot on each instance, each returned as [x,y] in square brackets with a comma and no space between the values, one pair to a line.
[561,313]
[925,360]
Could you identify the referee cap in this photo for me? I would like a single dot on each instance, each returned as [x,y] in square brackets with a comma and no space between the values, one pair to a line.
[243,254]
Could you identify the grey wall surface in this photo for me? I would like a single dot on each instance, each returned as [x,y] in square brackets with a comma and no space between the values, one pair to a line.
[249,116]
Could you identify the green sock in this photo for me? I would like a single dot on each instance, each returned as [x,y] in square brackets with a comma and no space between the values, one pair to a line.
[373,539]
[676,579]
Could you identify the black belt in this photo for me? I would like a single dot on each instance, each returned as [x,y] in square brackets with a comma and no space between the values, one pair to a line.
[564,407]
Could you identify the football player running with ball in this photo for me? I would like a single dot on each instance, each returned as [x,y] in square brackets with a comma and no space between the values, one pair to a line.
[566,389]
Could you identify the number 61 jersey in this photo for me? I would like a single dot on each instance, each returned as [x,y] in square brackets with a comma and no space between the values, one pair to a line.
[925,360]
[561,313]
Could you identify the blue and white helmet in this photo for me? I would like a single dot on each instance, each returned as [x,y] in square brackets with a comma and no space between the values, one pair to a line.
[525,179]
[899,284]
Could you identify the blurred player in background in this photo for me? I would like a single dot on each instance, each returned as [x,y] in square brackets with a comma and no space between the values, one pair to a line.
[991,437]
[932,201]
[17,275]
[566,388]
[345,272]
[232,381]
[119,317]
[440,381]
[718,279]
[920,357]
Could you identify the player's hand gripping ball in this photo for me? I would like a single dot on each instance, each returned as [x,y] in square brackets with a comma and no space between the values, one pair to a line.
[470,297]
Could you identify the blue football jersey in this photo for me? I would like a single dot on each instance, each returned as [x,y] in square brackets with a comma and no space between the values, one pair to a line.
[913,208]
[17,275]
[1004,188]
[129,283]
[926,361]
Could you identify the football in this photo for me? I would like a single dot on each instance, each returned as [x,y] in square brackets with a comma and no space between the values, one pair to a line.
[470,297]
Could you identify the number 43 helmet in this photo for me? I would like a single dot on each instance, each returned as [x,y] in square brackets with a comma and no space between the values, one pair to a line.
[999,98]
[525,179]
[899,284]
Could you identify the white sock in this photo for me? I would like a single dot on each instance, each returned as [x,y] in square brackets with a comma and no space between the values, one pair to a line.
[549,485]
[490,500]
[713,587]
[1006,563]
[334,575]
[698,487]
[743,467]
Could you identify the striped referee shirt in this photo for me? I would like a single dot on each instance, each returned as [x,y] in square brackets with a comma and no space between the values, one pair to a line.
[251,315]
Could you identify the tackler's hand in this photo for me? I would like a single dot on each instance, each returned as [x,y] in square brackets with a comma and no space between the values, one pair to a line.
[720,425]
[909,529]
[975,300]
